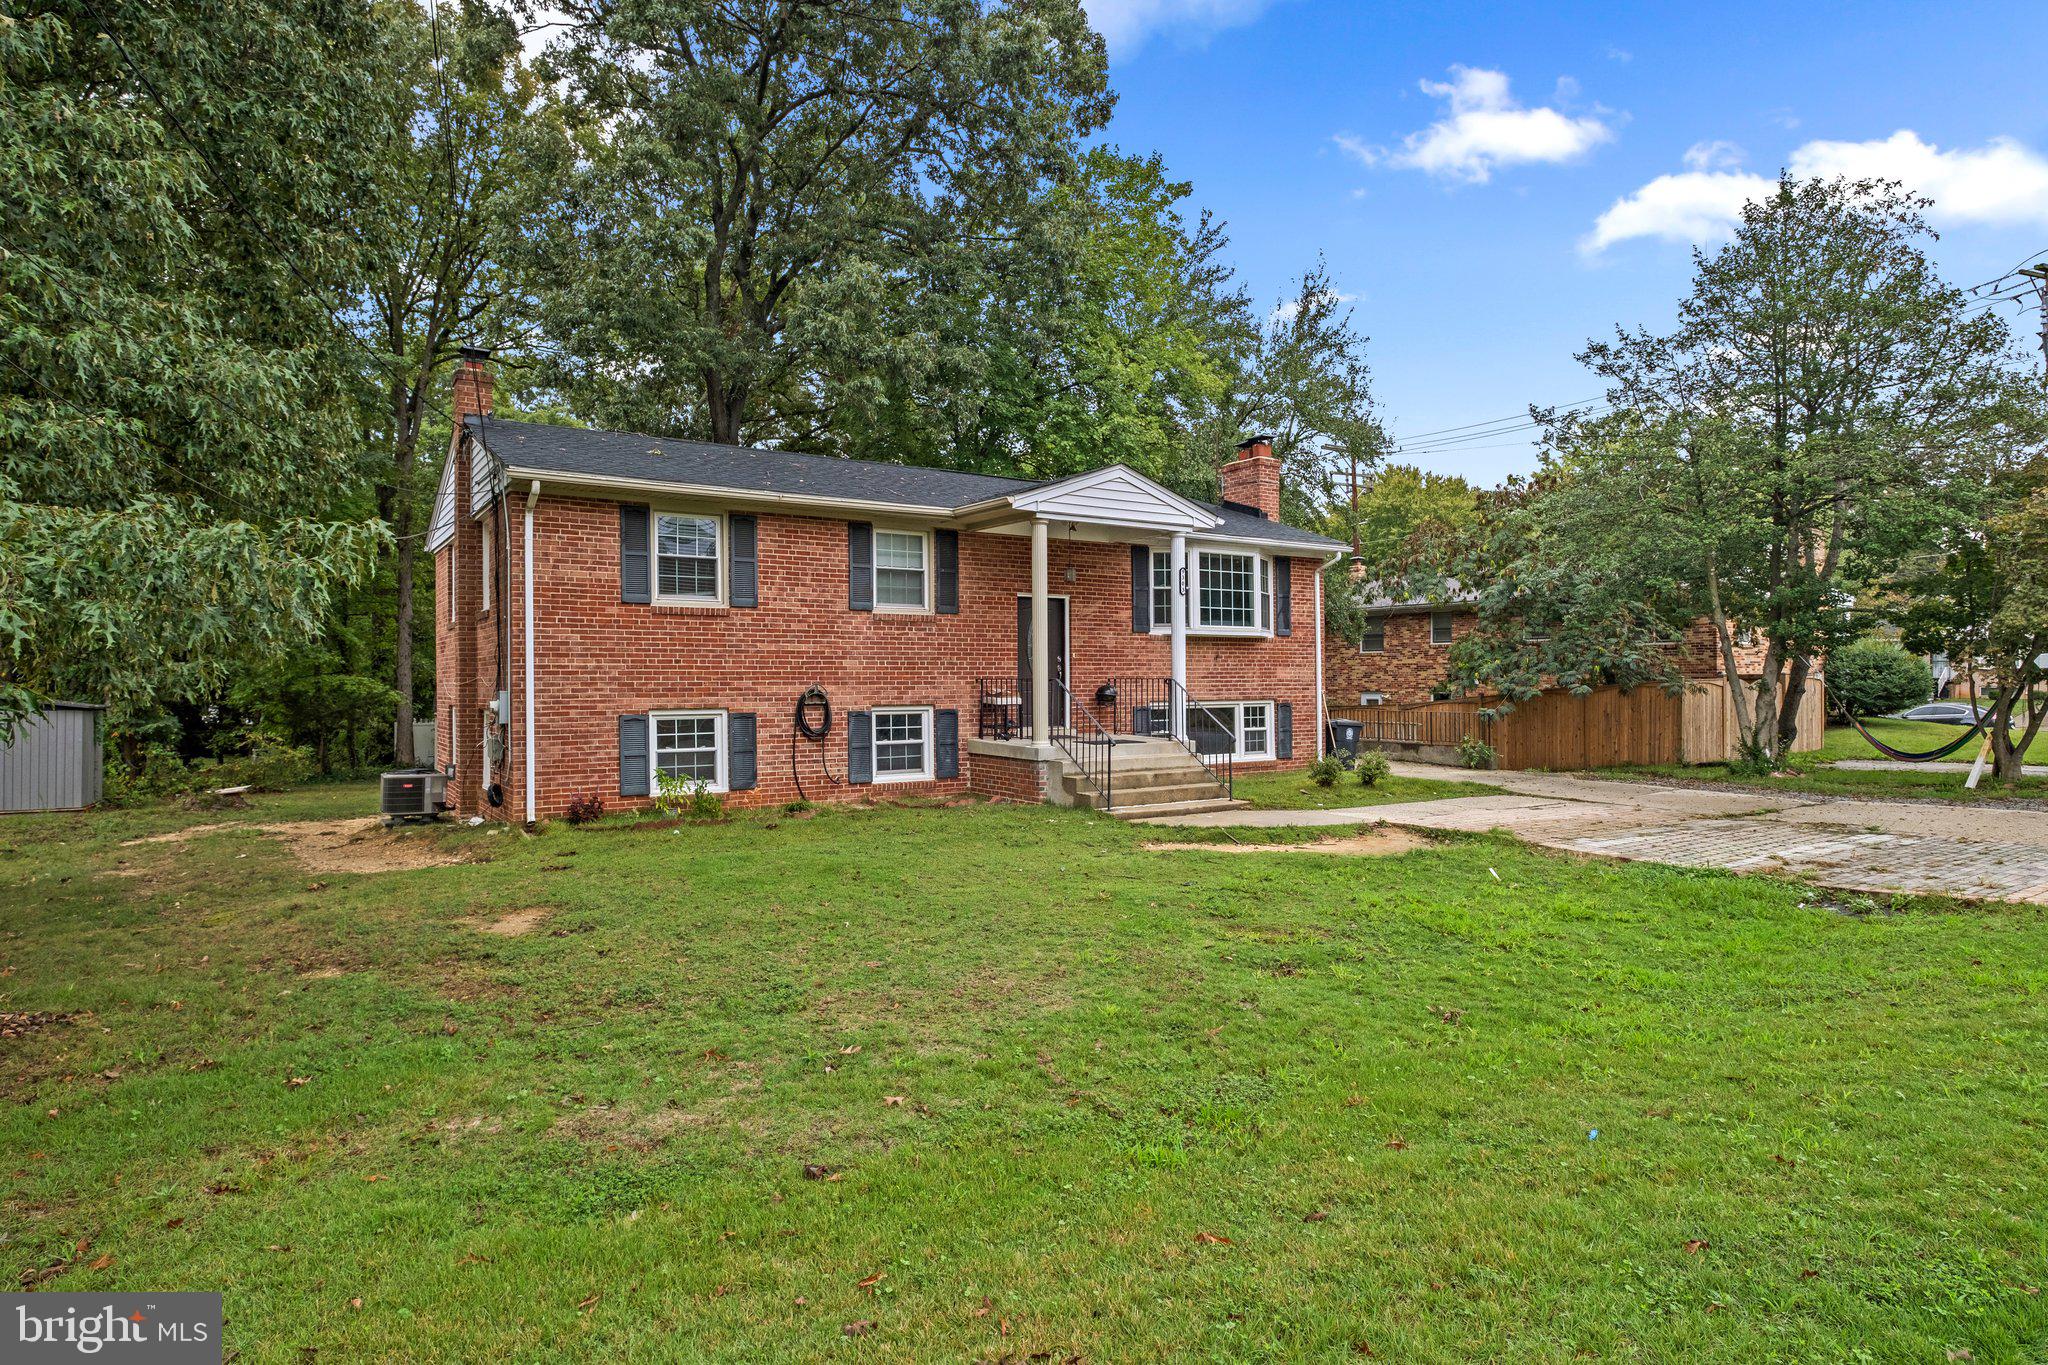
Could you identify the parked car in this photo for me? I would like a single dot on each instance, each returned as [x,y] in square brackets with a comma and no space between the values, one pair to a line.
[1944,713]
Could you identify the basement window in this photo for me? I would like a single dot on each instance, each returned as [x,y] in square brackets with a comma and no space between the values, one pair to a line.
[1242,728]
[690,745]
[903,744]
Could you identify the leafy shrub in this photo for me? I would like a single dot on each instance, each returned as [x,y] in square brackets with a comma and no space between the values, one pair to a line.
[1876,677]
[686,798]
[1373,768]
[585,809]
[271,765]
[1324,772]
[1474,752]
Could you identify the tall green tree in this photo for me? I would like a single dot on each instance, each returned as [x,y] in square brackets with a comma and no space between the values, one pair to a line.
[482,143]
[178,184]
[779,201]
[1402,511]
[1824,406]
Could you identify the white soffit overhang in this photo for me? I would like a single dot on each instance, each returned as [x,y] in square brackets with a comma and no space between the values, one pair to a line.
[1116,496]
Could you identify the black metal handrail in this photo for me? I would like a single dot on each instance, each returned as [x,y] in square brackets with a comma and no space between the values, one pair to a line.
[1148,706]
[1092,750]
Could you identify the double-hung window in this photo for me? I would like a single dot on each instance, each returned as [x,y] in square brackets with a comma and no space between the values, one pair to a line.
[690,746]
[1442,626]
[490,567]
[1228,590]
[1162,590]
[903,744]
[1374,638]
[1242,728]
[686,557]
[902,571]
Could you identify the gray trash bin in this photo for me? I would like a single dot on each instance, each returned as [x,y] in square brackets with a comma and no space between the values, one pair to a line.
[1344,736]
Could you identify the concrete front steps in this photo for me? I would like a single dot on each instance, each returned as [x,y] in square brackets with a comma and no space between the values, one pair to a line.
[1151,778]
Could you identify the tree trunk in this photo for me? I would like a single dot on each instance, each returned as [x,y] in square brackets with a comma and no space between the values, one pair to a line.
[401,671]
[1788,713]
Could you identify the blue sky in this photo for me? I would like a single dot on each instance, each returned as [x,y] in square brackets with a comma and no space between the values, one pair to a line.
[1494,185]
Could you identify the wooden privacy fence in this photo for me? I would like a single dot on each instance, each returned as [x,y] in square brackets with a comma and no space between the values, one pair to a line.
[1604,728]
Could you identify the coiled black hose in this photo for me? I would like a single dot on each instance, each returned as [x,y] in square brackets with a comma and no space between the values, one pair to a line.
[813,722]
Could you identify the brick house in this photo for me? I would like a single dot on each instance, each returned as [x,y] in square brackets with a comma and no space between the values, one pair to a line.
[614,607]
[1404,656]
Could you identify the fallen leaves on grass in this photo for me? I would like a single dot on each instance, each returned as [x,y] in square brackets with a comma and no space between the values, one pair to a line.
[1695,1245]
[893,1101]
[20,1024]
[294,1082]
[1395,1144]
[587,1304]
[858,1328]
[101,1262]
[1315,1216]
[813,1171]
[871,1281]
[1211,1239]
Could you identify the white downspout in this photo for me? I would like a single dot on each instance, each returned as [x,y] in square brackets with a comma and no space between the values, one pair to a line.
[1177,617]
[1322,722]
[532,496]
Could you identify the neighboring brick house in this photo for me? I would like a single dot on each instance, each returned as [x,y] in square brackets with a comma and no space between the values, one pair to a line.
[1406,658]
[611,606]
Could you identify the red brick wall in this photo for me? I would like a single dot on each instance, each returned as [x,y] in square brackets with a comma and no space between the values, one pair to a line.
[1252,478]
[1411,667]
[598,658]
[1006,779]
[1407,670]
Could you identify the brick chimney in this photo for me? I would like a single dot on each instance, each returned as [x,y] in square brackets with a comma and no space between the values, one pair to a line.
[1251,478]
[473,382]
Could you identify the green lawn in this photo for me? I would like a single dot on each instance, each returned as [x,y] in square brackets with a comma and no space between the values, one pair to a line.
[1913,736]
[1813,773]
[1295,791]
[1138,1105]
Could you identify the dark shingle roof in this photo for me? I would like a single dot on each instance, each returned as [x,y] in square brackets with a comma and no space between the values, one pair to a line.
[747,469]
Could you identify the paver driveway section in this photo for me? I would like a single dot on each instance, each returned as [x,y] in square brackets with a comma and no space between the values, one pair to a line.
[1880,846]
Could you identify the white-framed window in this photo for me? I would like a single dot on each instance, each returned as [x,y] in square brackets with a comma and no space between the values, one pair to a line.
[691,745]
[1442,626]
[903,743]
[1162,590]
[1265,593]
[688,565]
[1227,590]
[490,564]
[1243,728]
[1372,699]
[1374,638]
[902,570]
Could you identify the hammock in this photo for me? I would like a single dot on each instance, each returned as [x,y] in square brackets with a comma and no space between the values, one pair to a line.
[1902,756]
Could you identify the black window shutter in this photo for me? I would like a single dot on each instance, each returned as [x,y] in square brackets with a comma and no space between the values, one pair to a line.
[1141,589]
[860,747]
[633,776]
[1283,730]
[860,566]
[946,747]
[635,584]
[740,767]
[743,561]
[946,549]
[1283,595]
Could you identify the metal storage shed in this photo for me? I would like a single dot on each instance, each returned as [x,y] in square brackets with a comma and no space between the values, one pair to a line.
[54,762]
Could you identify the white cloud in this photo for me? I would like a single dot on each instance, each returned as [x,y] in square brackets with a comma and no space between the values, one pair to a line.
[1126,24]
[1288,311]
[2003,183]
[1484,130]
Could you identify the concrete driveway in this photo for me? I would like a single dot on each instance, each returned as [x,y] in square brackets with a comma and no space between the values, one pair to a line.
[1883,846]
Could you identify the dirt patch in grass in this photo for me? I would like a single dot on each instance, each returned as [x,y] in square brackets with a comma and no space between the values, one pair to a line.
[362,844]
[1380,843]
[613,1129]
[513,923]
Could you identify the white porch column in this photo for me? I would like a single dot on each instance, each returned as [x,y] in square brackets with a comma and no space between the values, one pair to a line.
[1041,637]
[1177,560]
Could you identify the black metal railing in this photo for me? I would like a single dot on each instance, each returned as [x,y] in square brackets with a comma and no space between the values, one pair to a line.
[1205,749]
[1092,749]
[1148,707]
[1003,709]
